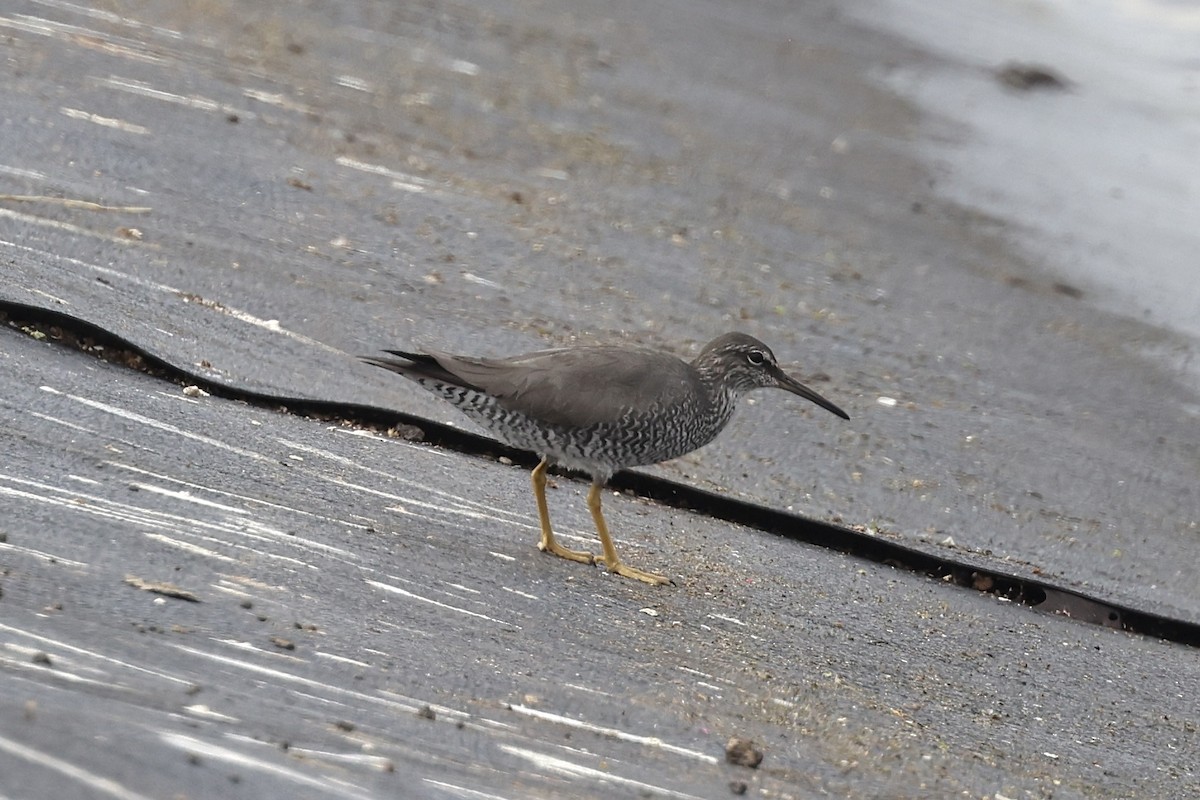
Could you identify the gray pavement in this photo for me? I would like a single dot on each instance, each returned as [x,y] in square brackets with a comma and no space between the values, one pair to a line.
[283,189]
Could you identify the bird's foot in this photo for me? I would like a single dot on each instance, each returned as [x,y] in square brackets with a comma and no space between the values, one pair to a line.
[554,548]
[626,571]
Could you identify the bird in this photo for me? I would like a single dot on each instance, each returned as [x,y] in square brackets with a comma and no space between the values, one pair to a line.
[601,408]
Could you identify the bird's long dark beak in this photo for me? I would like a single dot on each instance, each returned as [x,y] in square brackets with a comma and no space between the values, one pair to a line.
[796,387]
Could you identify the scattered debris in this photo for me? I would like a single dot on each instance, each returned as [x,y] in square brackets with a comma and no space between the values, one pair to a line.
[1026,77]
[409,433]
[743,752]
[161,587]
[67,202]
[193,390]
[1068,290]
[282,643]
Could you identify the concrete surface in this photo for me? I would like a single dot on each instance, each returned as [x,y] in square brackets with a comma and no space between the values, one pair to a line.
[283,189]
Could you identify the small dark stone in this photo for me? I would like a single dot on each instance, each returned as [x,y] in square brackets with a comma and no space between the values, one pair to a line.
[743,752]
[1025,77]
[738,787]
[426,712]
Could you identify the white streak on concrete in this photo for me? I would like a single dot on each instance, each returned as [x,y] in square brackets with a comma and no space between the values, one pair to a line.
[648,741]
[463,792]
[376,169]
[342,659]
[77,36]
[110,18]
[279,100]
[39,554]
[83,480]
[248,499]
[187,497]
[188,547]
[570,769]
[218,532]
[519,593]
[94,782]
[378,763]
[400,704]
[580,688]
[387,587]
[197,102]
[149,422]
[21,172]
[67,227]
[238,314]
[104,122]
[217,753]
[93,654]
[459,505]
[202,711]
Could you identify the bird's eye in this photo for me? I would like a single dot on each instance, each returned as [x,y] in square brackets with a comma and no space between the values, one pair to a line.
[756,357]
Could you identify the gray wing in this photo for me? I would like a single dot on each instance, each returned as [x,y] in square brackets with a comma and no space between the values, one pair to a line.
[576,387]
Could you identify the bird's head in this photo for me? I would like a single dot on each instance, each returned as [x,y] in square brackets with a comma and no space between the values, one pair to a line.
[739,363]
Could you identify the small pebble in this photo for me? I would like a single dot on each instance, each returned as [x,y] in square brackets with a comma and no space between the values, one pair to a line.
[743,752]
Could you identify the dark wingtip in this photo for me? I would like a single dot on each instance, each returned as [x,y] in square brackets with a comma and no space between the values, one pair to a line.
[419,357]
[403,364]
[413,358]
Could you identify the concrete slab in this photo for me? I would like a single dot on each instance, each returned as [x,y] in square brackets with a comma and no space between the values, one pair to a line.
[206,598]
[493,178]
[255,194]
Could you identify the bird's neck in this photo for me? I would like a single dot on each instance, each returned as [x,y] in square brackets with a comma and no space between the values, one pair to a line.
[722,401]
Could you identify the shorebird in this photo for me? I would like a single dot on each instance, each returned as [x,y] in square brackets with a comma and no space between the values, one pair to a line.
[601,409]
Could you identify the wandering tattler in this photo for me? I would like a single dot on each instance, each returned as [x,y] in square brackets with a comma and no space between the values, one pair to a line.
[601,409]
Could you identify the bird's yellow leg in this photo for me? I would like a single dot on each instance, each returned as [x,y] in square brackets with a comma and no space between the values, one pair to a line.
[548,543]
[610,559]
